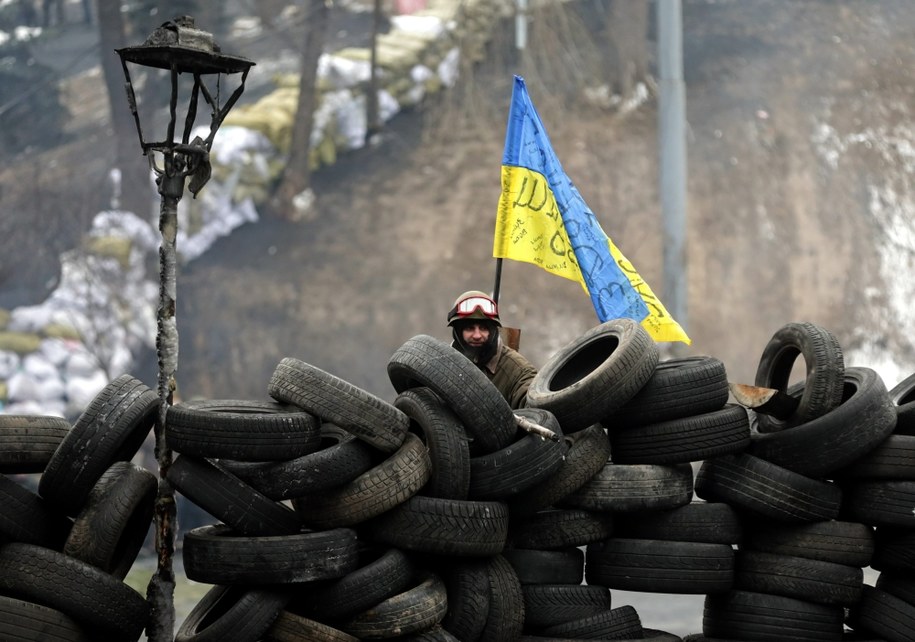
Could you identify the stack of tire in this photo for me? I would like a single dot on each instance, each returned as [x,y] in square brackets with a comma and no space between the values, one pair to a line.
[65,550]
[340,516]
[805,504]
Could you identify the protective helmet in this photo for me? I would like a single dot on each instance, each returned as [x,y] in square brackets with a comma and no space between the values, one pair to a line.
[474,304]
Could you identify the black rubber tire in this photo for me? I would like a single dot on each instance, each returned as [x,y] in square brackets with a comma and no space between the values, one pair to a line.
[762,488]
[242,429]
[634,487]
[687,439]
[834,541]
[902,395]
[883,614]
[467,582]
[902,585]
[893,458]
[28,442]
[505,620]
[329,397]
[524,463]
[660,566]
[595,374]
[232,613]
[588,452]
[106,607]
[825,370]
[22,621]
[216,555]
[564,566]
[26,517]
[798,577]
[761,617]
[424,361]
[110,530]
[382,573]
[112,428]
[442,526]
[894,550]
[292,627]
[229,499]
[698,521]
[435,634]
[656,635]
[614,624]
[444,436]
[678,387]
[648,635]
[561,528]
[376,491]
[550,604]
[339,460]
[880,503]
[838,437]
[418,608]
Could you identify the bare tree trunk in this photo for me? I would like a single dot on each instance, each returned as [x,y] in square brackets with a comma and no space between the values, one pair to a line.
[372,121]
[136,190]
[627,43]
[296,178]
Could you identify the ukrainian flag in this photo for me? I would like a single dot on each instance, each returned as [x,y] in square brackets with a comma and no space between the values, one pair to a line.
[542,219]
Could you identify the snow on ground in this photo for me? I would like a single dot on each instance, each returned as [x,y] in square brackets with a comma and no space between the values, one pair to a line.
[891,206]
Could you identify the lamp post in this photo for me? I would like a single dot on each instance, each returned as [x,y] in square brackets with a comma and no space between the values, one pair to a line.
[179,48]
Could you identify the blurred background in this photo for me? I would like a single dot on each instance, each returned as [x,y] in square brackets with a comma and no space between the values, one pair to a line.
[799,190]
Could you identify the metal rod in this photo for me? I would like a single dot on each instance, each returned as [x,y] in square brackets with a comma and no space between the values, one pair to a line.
[672,131]
[172,106]
[498,284]
[536,429]
[191,111]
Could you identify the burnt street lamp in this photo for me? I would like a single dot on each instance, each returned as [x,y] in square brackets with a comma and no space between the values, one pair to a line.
[177,47]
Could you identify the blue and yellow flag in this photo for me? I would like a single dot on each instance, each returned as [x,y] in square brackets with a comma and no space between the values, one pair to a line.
[542,219]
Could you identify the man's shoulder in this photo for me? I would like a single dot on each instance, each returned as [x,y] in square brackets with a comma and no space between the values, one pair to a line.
[510,354]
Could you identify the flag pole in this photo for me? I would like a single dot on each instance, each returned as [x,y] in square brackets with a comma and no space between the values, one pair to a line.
[511,336]
[498,284]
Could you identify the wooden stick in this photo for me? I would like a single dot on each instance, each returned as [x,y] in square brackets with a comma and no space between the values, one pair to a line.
[767,401]
[545,433]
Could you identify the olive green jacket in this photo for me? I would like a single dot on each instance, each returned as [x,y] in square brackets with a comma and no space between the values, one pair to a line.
[511,373]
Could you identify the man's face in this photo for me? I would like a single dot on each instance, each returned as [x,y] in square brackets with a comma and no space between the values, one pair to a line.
[475,335]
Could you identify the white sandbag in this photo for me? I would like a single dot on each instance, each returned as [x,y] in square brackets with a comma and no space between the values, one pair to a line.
[38,366]
[57,350]
[120,361]
[421,73]
[9,363]
[448,68]
[80,391]
[126,225]
[342,72]
[388,107]
[31,407]
[22,386]
[230,216]
[80,365]
[234,145]
[333,104]
[431,26]
[29,318]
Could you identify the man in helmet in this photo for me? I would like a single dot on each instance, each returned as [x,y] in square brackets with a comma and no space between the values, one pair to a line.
[474,321]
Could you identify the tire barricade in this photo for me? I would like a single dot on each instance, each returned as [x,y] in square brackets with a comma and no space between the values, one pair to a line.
[342,516]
